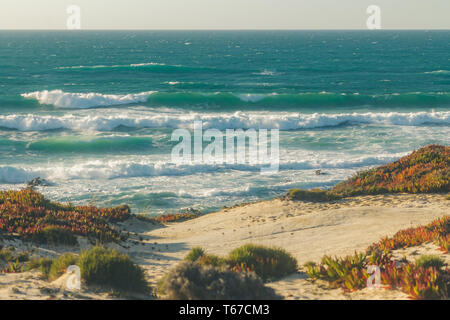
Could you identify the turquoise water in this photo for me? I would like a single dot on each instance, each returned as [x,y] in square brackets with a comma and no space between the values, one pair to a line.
[93,112]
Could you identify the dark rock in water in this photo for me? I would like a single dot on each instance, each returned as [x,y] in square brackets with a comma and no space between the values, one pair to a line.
[192,211]
[320,173]
[38,182]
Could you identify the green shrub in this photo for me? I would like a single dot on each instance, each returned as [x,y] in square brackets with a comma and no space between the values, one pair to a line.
[147,218]
[32,264]
[427,261]
[50,268]
[60,265]
[447,197]
[6,254]
[44,265]
[54,235]
[108,267]
[192,281]
[211,260]
[314,195]
[9,255]
[99,266]
[195,254]
[23,256]
[200,256]
[268,263]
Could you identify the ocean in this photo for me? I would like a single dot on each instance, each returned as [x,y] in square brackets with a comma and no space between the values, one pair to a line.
[92,112]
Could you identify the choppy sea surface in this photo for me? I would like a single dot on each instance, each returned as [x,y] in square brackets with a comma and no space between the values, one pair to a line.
[93,112]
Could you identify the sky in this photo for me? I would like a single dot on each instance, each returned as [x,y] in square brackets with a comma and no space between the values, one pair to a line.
[224,14]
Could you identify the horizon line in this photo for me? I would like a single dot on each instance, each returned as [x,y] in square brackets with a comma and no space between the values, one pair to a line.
[237,29]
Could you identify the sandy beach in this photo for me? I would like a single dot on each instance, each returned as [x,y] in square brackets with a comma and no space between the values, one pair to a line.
[307,230]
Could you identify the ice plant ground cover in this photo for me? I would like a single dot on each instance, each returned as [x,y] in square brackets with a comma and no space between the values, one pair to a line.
[426,170]
[27,214]
[418,280]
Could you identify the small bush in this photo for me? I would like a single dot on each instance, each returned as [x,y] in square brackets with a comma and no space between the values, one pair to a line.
[212,260]
[60,265]
[314,195]
[192,281]
[195,254]
[108,267]
[268,263]
[6,254]
[54,235]
[9,255]
[200,256]
[148,219]
[44,265]
[427,261]
[447,197]
[32,264]
[50,268]
[23,256]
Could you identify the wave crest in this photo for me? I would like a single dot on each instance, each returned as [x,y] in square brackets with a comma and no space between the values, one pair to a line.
[221,121]
[63,99]
[116,169]
[446,72]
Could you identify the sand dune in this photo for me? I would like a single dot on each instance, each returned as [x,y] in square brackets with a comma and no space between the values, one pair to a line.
[307,230]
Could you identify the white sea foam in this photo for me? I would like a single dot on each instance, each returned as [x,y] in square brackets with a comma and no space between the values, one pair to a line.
[113,66]
[110,119]
[10,174]
[265,73]
[438,72]
[251,97]
[115,169]
[63,99]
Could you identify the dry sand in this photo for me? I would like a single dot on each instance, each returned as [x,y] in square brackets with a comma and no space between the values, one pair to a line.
[307,230]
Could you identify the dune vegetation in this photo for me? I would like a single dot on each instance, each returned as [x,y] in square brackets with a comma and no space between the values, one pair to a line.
[27,214]
[268,263]
[426,170]
[194,281]
[426,278]
[98,266]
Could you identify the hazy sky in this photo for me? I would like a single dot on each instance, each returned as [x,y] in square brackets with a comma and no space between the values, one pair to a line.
[225,14]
